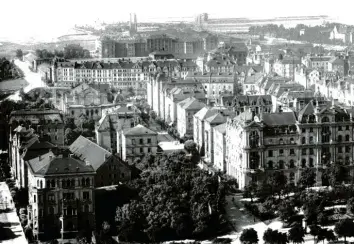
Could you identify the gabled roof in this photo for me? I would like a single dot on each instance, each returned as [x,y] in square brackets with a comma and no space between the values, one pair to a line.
[221,128]
[307,110]
[191,103]
[139,130]
[205,113]
[89,151]
[216,119]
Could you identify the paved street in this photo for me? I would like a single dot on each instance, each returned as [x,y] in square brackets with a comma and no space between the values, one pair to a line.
[33,79]
[10,219]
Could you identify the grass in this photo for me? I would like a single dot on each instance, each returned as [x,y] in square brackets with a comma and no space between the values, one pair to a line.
[13,84]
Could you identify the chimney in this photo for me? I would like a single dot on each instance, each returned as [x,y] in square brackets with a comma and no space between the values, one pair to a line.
[50,157]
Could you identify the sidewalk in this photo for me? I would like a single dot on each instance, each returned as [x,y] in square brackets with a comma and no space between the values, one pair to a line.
[10,219]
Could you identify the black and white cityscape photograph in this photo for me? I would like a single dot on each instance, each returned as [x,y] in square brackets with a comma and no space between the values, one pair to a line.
[164,122]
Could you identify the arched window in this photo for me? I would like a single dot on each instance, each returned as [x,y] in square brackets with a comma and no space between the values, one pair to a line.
[253,139]
[67,183]
[303,140]
[340,138]
[311,140]
[281,164]
[281,141]
[347,137]
[292,141]
[37,183]
[325,120]
[53,183]
[292,164]
[41,184]
[83,182]
[48,184]
[270,165]
[303,163]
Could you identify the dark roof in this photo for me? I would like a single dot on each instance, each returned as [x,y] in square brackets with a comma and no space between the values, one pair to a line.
[51,165]
[276,119]
[89,151]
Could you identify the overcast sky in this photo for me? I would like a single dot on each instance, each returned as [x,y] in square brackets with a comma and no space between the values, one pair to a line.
[24,18]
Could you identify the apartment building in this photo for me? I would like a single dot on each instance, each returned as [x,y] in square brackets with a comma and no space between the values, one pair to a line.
[186,109]
[258,145]
[48,122]
[137,142]
[61,196]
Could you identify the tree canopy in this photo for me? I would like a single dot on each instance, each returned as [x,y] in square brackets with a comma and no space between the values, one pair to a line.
[176,201]
[249,236]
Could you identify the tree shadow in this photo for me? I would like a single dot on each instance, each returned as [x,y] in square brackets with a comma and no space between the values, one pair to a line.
[7,233]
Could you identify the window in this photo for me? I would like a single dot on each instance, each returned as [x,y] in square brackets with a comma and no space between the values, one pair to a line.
[339,128]
[325,120]
[270,165]
[86,195]
[55,138]
[141,150]
[292,151]
[303,130]
[311,163]
[281,164]
[347,127]
[303,163]
[347,137]
[53,183]
[34,198]
[291,164]
[340,138]
[133,141]
[340,149]
[141,141]
[311,129]
[51,197]
[303,151]
[281,141]
[270,153]
[311,151]
[51,210]
[303,140]
[281,151]
[347,149]
[40,212]
[149,150]
[122,175]
[311,141]
[149,140]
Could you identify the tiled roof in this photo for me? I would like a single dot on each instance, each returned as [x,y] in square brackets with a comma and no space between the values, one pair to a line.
[221,128]
[89,151]
[48,164]
[191,103]
[276,119]
[139,130]
[216,119]
[205,113]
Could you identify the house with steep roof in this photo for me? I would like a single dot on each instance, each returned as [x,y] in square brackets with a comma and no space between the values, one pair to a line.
[137,142]
[61,196]
[110,127]
[109,168]
[186,109]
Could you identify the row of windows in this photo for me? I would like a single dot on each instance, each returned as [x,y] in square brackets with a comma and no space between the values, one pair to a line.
[141,141]
[138,150]
[65,183]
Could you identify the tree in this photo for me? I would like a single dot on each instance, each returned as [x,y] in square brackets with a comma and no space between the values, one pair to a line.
[307,178]
[249,236]
[131,91]
[277,181]
[296,234]
[19,53]
[315,230]
[350,205]
[274,237]
[344,228]
[71,135]
[286,210]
